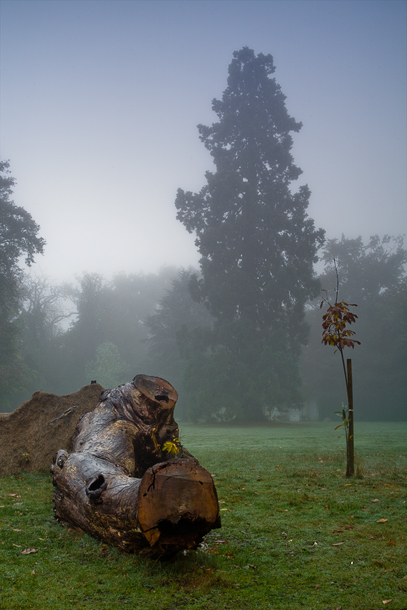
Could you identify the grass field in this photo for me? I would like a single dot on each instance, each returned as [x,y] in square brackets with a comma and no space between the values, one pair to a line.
[295,532]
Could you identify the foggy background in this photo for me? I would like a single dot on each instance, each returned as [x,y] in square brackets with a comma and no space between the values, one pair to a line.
[100,102]
[99,107]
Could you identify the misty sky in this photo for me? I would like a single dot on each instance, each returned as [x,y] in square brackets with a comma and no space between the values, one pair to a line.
[100,101]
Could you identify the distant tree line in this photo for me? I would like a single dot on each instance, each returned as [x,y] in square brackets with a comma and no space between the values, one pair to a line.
[372,275]
[240,337]
[111,330]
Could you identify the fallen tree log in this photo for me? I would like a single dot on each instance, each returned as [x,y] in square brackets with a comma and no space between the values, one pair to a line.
[129,481]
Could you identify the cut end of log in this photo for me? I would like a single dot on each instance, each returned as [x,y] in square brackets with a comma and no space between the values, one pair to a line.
[178,505]
[156,389]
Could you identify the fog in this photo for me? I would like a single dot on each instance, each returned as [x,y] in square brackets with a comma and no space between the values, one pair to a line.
[100,103]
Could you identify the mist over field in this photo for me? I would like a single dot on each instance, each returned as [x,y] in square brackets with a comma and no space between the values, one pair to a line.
[134,242]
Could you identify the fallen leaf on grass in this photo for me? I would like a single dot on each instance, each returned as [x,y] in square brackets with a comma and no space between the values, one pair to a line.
[338,543]
[249,565]
[14,496]
[387,601]
[376,500]
[17,545]
[28,551]
[381,520]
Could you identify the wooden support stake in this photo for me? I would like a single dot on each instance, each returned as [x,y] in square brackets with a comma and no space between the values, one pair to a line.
[350,462]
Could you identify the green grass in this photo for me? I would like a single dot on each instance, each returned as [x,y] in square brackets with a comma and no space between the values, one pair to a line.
[295,532]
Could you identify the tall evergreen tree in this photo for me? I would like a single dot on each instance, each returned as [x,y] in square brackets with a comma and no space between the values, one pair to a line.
[257,243]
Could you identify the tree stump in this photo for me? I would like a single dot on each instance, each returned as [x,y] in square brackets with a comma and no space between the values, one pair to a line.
[129,481]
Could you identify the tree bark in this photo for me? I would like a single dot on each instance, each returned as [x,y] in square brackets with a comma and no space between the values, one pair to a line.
[350,462]
[121,483]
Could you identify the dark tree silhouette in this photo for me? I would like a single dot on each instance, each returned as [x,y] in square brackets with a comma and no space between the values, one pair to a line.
[18,238]
[257,243]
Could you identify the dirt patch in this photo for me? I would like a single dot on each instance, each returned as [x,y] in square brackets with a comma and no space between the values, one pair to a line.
[30,436]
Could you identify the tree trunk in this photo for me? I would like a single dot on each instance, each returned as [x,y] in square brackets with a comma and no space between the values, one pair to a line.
[121,483]
[350,461]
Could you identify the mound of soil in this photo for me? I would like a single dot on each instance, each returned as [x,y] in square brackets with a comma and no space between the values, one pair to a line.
[33,433]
